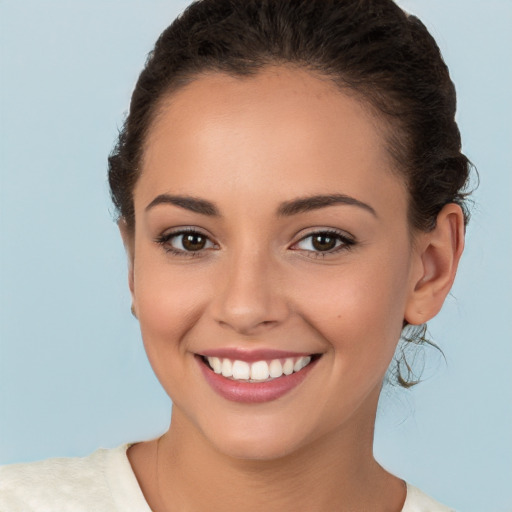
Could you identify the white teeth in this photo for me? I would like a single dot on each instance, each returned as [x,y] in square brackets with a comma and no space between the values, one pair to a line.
[241,370]
[288,366]
[258,371]
[216,364]
[275,368]
[227,368]
[301,362]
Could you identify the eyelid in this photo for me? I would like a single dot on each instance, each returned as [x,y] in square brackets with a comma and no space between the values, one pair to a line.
[315,230]
[166,236]
[184,229]
[346,238]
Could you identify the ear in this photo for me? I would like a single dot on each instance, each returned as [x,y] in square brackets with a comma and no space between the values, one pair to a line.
[437,257]
[129,245]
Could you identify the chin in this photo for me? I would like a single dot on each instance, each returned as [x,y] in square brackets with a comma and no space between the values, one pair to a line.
[258,438]
[256,448]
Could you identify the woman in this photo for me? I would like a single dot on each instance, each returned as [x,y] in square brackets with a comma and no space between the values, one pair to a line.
[290,190]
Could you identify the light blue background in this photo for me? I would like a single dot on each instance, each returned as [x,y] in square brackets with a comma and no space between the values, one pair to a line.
[73,374]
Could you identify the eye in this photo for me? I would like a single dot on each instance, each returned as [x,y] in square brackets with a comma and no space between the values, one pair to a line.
[185,241]
[324,242]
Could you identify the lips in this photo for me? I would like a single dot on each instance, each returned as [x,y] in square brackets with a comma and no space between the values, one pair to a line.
[254,376]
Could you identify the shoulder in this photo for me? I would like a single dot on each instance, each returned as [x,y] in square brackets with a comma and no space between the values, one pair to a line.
[96,482]
[418,501]
[62,482]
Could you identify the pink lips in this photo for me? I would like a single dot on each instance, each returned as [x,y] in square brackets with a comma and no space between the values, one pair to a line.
[252,392]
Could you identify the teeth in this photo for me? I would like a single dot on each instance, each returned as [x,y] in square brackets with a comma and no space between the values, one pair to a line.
[275,368]
[301,362]
[288,366]
[241,370]
[258,371]
[227,368]
[216,364]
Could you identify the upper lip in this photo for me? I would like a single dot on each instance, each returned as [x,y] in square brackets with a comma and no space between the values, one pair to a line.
[251,355]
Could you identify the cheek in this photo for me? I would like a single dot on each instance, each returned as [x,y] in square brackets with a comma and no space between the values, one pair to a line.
[161,301]
[169,302]
[358,309]
[164,292]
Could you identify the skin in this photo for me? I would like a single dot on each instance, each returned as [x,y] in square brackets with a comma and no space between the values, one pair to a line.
[248,146]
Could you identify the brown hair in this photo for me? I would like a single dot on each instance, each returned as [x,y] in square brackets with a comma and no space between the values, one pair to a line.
[370,47]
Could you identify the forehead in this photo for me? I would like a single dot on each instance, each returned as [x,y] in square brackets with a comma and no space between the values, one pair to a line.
[283,128]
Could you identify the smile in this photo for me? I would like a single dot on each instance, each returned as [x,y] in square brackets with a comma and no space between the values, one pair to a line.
[255,377]
[258,371]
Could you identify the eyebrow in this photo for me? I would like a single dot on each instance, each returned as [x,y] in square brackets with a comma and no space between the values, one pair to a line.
[307,204]
[286,209]
[193,204]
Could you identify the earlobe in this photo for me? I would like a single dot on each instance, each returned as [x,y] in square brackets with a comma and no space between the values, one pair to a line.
[438,255]
[128,242]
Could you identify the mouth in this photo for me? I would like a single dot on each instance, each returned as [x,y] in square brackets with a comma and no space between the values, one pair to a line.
[255,378]
[257,371]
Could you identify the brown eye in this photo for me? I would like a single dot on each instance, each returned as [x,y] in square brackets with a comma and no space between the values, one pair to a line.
[323,242]
[193,241]
[183,242]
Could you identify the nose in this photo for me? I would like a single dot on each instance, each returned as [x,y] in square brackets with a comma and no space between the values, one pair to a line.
[250,298]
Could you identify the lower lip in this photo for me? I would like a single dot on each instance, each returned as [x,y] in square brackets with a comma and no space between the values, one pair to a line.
[253,392]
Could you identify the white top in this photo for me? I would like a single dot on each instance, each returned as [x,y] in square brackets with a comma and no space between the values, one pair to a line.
[104,482]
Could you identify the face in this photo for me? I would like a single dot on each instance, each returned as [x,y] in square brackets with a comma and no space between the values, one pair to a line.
[271,233]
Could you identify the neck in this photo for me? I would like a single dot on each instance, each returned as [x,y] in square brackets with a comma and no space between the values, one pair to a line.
[337,471]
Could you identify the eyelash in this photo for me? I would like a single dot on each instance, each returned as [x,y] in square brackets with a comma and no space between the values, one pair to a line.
[346,242]
[165,239]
